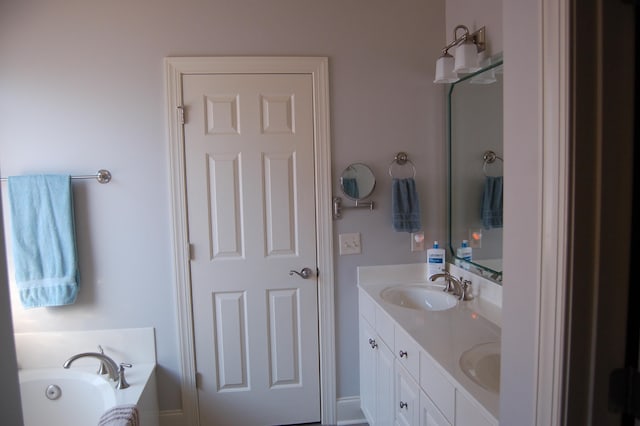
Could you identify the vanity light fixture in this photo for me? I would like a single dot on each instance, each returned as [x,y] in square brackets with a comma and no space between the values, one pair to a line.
[467,47]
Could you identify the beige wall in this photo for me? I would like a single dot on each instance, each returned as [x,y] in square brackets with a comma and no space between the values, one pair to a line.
[83,88]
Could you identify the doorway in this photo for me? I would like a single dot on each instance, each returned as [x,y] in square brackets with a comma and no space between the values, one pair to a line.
[228,243]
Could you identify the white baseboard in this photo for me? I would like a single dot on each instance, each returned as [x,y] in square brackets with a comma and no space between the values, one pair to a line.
[171,418]
[349,412]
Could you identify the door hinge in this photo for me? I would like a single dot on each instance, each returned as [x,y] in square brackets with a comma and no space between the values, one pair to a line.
[192,251]
[198,380]
[624,391]
[180,114]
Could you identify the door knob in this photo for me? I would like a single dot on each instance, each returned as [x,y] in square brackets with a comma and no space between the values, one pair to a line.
[304,273]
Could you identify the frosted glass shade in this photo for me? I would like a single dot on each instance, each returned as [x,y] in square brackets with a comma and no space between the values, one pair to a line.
[466,58]
[444,70]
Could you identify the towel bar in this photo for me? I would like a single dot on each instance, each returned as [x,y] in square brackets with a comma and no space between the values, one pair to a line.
[102,176]
[401,159]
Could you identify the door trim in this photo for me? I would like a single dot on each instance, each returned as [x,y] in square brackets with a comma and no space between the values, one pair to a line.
[317,67]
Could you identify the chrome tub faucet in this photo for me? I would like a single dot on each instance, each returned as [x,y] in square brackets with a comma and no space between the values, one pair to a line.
[110,364]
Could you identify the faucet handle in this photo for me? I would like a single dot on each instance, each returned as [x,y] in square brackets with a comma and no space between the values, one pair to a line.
[466,289]
[122,382]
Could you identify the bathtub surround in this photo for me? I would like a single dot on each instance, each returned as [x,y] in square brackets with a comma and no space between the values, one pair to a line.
[43,240]
[42,354]
[52,349]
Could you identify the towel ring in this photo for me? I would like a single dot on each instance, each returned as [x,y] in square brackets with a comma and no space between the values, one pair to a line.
[401,159]
[489,157]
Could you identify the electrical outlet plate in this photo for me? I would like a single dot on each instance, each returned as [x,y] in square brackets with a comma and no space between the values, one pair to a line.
[475,237]
[350,243]
[417,241]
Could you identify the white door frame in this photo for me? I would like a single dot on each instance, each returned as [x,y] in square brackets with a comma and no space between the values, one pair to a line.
[317,67]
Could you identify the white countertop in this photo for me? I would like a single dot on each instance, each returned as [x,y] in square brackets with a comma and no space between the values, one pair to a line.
[445,335]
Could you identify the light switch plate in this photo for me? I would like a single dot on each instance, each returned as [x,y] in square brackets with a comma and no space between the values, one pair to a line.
[350,243]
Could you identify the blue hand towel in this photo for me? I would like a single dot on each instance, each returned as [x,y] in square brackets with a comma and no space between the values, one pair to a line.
[350,187]
[491,209]
[43,240]
[405,205]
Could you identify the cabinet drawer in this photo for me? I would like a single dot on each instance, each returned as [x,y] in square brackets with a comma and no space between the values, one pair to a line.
[436,385]
[385,327]
[367,307]
[408,353]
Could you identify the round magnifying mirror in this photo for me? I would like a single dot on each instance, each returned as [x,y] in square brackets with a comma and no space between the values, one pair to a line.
[357,181]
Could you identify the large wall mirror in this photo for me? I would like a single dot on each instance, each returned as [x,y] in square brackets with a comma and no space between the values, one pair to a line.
[476,160]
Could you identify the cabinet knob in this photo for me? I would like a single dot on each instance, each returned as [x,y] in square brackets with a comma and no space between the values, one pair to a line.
[403,354]
[403,405]
[373,344]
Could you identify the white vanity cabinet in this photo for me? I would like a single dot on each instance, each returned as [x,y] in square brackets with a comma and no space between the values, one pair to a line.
[376,369]
[401,383]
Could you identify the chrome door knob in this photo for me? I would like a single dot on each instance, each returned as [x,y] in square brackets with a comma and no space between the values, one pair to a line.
[304,273]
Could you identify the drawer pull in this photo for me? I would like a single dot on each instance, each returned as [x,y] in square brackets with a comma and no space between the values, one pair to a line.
[403,354]
[373,344]
[404,405]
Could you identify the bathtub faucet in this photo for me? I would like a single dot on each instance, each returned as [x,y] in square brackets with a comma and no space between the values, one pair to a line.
[110,364]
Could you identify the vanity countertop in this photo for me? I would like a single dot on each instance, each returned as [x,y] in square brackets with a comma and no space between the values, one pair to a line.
[444,335]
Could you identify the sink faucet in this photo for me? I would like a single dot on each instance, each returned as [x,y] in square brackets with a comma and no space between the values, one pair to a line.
[454,285]
[110,364]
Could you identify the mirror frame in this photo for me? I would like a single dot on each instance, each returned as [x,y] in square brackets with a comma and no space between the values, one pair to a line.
[474,267]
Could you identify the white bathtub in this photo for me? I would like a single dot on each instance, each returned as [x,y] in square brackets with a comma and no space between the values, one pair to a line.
[84,396]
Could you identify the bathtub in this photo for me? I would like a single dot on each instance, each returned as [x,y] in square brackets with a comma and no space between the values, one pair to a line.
[78,396]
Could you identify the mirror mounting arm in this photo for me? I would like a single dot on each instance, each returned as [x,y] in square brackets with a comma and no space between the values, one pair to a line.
[338,207]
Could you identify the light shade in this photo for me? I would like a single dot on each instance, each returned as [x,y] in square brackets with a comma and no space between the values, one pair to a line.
[444,70]
[466,58]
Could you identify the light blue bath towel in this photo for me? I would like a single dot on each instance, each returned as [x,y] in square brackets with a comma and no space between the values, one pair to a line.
[43,239]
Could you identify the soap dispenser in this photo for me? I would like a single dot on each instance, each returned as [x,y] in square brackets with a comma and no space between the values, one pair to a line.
[464,252]
[435,260]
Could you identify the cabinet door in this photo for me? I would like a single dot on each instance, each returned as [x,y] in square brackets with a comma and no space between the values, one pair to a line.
[429,413]
[385,386]
[469,414]
[367,371]
[407,398]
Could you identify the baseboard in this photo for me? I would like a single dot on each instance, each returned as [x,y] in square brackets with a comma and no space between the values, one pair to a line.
[349,412]
[171,418]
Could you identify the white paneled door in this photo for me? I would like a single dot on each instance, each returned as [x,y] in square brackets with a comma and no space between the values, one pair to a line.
[249,142]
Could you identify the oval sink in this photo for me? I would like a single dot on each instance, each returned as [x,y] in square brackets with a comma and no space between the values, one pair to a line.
[481,364]
[419,297]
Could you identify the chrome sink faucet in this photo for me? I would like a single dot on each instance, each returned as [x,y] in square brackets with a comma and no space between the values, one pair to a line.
[458,287]
[110,364]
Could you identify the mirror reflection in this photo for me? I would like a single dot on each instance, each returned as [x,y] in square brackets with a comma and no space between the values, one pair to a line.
[357,181]
[475,173]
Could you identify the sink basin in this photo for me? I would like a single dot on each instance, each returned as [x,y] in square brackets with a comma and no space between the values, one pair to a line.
[419,297]
[481,364]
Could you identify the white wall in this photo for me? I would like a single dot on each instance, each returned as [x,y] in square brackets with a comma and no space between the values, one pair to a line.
[82,89]
[522,243]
